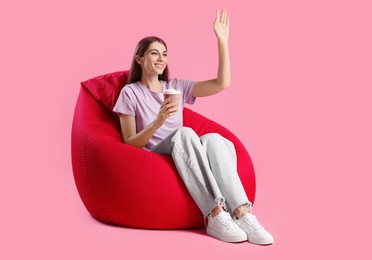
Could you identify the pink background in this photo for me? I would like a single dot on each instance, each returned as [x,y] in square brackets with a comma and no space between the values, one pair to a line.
[300,101]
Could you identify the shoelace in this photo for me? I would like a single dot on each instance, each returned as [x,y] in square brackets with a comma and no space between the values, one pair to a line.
[227,221]
[252,220]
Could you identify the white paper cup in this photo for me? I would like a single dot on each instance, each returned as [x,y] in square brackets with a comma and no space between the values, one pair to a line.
[174,96]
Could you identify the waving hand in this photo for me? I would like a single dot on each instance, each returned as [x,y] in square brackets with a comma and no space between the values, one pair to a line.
[221,26]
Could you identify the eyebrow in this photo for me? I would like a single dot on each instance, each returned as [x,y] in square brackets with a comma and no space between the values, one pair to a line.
[157,50]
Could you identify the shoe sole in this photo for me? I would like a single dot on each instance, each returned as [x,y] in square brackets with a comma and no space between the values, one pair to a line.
[234,239]
[261,242]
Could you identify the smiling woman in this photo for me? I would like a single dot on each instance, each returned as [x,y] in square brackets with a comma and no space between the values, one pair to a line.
[207,164]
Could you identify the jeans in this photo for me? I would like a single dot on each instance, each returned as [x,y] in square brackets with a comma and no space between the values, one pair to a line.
[208,167]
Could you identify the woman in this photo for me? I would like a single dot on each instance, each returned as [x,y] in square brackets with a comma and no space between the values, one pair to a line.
[151,122]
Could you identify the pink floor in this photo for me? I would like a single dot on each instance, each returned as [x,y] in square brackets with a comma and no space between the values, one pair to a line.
[51,223]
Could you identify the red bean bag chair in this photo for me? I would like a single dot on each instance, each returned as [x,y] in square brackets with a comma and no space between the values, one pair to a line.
[128,186]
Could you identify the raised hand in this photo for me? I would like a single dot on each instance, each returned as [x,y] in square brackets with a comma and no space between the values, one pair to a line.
[221,26]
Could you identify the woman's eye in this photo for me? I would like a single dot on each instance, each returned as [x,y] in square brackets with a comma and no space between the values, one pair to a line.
[154,53]
[165,54]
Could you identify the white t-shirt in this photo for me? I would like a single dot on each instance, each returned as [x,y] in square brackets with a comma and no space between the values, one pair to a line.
[137,100]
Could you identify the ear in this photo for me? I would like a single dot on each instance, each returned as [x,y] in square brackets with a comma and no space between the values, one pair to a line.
[138,59]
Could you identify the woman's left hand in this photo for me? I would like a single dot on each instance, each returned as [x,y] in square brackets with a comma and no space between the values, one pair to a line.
[221,26]
[222,81]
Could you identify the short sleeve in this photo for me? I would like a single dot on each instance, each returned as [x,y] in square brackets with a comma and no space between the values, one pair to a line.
[126,102]
[186,87]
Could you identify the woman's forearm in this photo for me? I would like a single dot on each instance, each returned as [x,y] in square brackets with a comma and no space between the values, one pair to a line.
[143,137]
[128,131]
[128,125]
[224,71]
[222,81]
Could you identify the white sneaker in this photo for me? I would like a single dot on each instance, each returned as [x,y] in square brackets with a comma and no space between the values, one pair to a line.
[224,228]
[255,232]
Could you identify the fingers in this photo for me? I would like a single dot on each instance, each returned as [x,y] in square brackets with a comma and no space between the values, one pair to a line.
[166,104]
[168,109]
[225,17]
[222,18]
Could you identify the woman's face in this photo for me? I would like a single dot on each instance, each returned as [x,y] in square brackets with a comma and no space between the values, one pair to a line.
[154,60]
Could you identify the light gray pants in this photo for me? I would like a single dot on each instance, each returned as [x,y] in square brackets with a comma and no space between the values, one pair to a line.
[208,167]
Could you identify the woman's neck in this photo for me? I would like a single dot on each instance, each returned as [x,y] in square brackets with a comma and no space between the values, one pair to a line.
[152,83]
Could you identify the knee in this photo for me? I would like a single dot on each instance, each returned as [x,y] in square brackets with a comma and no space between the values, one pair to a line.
[211,136]
[187,133]
[215,139]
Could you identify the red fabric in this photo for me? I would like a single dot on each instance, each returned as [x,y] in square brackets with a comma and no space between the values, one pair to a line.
[124,185]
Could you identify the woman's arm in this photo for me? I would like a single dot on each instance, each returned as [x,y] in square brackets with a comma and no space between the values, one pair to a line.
[140,139]
[213,86]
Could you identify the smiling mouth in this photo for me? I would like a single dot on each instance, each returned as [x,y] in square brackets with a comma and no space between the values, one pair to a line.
[159,65]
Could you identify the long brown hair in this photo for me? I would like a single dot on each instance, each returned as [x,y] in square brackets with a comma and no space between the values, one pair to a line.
[135,72]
